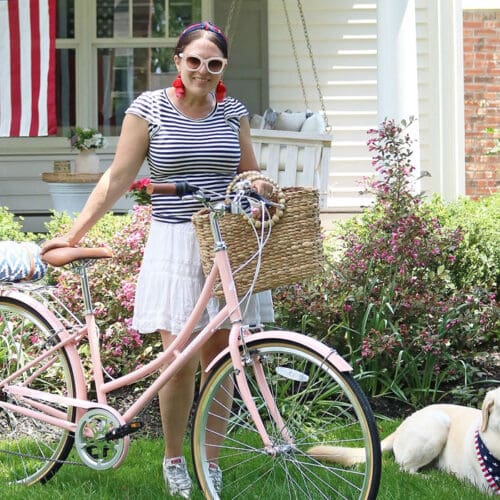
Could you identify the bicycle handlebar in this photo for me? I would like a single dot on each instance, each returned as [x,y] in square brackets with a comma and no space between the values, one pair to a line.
[179,189]
[61,256]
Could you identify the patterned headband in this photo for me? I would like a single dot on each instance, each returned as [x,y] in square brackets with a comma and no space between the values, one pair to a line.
[204,25]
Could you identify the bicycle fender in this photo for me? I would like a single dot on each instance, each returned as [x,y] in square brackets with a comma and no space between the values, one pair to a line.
[326,351]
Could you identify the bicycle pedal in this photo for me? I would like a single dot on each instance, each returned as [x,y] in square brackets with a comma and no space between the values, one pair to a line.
[124,430]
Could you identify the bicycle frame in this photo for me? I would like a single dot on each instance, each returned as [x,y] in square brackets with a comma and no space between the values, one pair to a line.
[169,361]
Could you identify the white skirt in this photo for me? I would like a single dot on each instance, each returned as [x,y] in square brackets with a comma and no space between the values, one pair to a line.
[171,279]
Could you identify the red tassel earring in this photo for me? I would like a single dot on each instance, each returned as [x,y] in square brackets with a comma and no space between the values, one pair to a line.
[178,86]
[220,91]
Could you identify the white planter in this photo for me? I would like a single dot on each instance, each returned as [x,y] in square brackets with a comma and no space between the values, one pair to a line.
[68,197]
[87,162]
[69,192]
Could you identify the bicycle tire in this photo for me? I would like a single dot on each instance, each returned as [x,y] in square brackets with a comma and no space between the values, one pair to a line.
[320,405]
[31,451]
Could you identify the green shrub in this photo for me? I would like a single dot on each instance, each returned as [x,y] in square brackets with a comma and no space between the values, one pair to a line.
[477,258]
[12,229]
[103,232]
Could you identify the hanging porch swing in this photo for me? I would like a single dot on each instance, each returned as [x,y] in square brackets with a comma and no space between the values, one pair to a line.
[292,148]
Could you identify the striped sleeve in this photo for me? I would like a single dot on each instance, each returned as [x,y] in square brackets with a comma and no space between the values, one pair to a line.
[145,106]
[234,110]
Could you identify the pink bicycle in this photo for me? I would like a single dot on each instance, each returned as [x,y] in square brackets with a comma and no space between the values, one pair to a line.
[271,395]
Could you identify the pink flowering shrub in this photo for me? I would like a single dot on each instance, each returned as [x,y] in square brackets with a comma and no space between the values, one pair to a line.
[392,300]
[112,286]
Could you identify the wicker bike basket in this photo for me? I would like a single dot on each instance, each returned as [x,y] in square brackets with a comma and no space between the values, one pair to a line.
[293,252]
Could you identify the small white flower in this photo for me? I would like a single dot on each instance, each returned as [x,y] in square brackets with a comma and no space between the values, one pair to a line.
[86,138]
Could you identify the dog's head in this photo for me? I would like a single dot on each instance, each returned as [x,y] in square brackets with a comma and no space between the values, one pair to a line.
[491,411]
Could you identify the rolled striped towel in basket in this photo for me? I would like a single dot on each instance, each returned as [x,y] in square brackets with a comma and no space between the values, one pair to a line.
[20,261]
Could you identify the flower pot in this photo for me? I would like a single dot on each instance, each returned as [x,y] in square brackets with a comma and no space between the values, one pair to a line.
[87,162]
[70,197]
[69,192]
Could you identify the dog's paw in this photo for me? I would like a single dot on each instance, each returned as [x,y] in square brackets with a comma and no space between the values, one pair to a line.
[408,469]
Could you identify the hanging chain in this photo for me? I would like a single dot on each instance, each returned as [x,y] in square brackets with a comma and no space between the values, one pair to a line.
[232,17]
[313,64]
[295,55]
[233,14]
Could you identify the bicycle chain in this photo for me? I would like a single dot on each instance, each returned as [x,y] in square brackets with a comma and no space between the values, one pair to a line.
[45,459]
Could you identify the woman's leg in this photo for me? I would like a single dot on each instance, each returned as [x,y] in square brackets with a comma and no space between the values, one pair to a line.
[214,346]
[176,400]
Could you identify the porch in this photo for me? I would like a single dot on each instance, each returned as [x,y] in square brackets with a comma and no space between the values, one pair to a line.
[290,158]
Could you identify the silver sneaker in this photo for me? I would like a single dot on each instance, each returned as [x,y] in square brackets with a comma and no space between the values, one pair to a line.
[177,477]
[216,476]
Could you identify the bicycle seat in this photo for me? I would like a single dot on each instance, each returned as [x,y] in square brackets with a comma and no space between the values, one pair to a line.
[58,257]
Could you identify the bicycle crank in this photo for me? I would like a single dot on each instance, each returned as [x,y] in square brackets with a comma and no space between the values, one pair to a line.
[98,442]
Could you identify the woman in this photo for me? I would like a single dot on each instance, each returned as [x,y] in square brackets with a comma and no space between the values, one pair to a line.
[188,132]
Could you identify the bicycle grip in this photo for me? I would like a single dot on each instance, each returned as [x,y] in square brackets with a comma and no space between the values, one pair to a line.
[184,188]
[179,189]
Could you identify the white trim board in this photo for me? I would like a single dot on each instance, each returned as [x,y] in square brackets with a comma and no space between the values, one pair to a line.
[480,4]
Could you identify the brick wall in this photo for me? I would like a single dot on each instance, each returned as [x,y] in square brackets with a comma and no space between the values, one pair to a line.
[482,99]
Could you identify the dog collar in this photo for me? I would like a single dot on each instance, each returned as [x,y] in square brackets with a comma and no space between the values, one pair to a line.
[490,466]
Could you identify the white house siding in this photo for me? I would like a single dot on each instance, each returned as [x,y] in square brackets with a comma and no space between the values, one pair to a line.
[21,187]
[343,37]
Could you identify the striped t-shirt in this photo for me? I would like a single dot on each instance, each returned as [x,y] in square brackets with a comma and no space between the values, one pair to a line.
[204,152]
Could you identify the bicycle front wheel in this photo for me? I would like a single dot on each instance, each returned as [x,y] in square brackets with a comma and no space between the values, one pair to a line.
[31,450]
[318,404]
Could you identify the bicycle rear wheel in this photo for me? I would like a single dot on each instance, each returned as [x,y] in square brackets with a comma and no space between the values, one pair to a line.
[319,405]
[31,450]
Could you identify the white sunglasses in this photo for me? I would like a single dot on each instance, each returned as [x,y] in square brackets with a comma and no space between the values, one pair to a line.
[214,65]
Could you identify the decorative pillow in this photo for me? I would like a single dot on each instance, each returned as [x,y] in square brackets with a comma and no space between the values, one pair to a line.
[284,120]
[315,123]
[256,121]
[20,261]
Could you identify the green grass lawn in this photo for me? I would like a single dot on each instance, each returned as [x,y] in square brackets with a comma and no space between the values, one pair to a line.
[140,477]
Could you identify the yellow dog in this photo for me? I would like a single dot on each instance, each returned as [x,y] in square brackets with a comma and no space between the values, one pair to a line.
[460,440]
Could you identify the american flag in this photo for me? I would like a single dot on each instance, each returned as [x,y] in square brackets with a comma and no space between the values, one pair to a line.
[27,68]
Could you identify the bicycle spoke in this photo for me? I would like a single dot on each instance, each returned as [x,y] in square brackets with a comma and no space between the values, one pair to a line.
[316,404]
[31,450]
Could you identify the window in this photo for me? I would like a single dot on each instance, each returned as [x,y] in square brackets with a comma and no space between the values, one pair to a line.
[109,51]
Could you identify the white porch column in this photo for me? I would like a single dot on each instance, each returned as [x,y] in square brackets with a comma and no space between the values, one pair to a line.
[447,142]
[397,80]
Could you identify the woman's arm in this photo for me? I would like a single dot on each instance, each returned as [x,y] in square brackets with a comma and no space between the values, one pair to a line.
[130,153]
[248,160]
